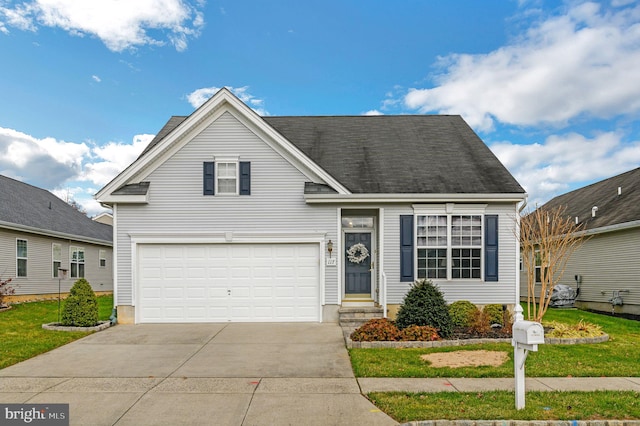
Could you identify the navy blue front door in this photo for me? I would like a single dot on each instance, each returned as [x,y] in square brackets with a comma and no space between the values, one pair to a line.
[357,274]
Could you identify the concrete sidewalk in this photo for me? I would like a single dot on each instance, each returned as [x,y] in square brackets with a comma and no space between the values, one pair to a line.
[383,384]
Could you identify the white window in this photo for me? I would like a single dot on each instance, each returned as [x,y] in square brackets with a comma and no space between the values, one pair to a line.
[102,255]
[226,178]
[56,256]
[449,245]
[21,258]
[76,261]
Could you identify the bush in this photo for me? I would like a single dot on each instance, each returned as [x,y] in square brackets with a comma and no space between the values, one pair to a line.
[424,304]
[5,290]
[81,307]
[461,313]
[421,333]
[480,325]
[495,314]
[379,329]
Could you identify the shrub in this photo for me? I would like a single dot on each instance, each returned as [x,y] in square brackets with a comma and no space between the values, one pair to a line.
[379,329]
[495,314]
[421,333]
[81,307]
[461,313]
[424,304]
[480,324]
[5,290]
[581,329]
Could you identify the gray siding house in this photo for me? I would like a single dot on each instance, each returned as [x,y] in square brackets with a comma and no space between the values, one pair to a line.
[606,268]
[230,216]
[40,233]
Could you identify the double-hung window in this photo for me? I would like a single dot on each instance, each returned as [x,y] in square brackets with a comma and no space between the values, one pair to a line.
[56,256]
[227,178]
[76,261]
[21,258]
[102,258]
[449,245]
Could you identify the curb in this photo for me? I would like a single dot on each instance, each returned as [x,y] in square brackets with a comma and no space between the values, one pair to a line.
[523,423]
[54,326]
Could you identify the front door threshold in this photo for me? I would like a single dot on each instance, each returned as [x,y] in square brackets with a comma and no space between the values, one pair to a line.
[357,301]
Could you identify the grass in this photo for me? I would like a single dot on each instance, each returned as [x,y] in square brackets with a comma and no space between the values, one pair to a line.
[23,337]
[500,405]
[618,357]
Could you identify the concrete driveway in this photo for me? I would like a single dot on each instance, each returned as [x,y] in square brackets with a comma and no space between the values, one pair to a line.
[199,374]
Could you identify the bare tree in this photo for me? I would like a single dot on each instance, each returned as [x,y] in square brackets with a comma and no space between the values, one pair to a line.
[548,238]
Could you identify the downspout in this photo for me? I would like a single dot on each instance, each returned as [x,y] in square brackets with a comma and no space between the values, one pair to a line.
[383,276]
[518,254]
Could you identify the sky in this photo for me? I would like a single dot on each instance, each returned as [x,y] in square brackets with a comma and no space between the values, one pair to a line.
[552,87]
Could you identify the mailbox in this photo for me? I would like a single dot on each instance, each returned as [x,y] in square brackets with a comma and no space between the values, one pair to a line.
[528,332]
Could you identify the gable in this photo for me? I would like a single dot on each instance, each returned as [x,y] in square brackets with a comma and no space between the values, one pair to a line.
[225,140]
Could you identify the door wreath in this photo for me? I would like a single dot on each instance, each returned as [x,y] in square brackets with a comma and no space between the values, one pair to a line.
[357,253]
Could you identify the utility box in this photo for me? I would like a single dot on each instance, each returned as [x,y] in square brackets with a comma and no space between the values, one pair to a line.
[528,333]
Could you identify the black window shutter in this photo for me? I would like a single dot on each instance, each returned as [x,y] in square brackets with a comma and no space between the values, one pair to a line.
[208,178]
[245,178]
[491,247]
[406,248]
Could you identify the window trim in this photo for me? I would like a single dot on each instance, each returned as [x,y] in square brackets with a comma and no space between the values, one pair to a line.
[55,273]
[449,210]
[25,258]
[102,255]
[216,176]
[77,262]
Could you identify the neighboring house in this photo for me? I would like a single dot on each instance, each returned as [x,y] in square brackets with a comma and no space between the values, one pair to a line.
[40,233]
[106,218]
[230,216]
[606,268]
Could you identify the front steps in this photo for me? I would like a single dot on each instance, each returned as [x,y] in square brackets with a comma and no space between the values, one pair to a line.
[355,316]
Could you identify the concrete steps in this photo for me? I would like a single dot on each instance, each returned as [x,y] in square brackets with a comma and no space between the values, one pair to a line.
[355,316]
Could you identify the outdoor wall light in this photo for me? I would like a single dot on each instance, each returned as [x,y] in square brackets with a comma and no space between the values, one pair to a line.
[330,247]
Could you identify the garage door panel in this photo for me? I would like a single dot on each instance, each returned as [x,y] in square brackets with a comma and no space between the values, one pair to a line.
[228,282]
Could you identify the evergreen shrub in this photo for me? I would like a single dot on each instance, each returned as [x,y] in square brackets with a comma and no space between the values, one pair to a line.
[424,304]
[81,307]
[462,313]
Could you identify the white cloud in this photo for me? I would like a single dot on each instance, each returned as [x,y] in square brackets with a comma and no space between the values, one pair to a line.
[47,162]
[582,63]
[68,169]
[562,162]
[373,112]
[119,24]
[200,96]
[112,158]
[96,78]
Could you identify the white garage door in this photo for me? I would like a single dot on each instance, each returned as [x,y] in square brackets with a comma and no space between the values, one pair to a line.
[228,282]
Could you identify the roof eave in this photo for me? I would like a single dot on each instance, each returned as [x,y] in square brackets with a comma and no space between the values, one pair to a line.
[412,198]
[110,200]
[612,228]
[55,234]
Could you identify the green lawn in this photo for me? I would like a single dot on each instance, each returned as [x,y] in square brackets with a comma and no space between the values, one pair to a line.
[500,405]
[23,337]
[617,357]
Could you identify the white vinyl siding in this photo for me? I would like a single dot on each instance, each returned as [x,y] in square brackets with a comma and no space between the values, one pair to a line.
[40,263]
[607,262]
[176,204]
[479,292]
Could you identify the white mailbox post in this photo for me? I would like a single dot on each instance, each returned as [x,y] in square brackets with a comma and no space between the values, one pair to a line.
[527,335]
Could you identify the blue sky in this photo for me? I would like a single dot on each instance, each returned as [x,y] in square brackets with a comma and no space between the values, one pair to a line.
[553,87]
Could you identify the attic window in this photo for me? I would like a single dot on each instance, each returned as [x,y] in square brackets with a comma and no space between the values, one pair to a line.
[227,178]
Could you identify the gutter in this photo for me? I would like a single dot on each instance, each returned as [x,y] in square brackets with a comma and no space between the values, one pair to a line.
[412,198]
[62,235]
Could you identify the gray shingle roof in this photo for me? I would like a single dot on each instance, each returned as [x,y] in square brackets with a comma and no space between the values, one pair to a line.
[613,209]
[419,154]
[27,206]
